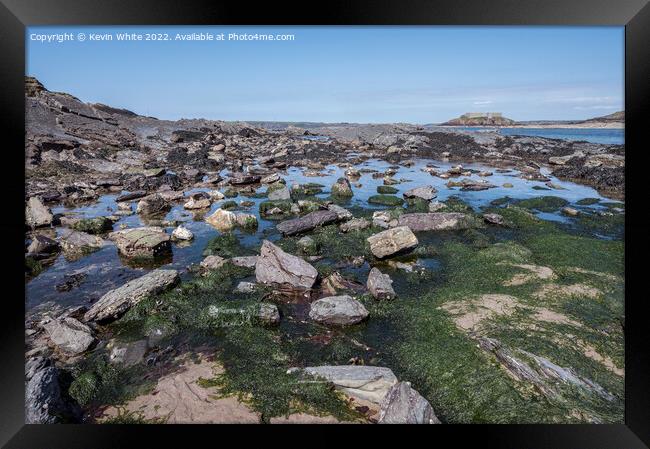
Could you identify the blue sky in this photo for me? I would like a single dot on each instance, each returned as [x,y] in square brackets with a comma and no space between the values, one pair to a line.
[334,74]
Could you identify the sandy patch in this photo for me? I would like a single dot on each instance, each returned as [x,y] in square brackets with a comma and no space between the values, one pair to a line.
[556,290]
[468,315]
[179,399]
[535,272]
[591,352]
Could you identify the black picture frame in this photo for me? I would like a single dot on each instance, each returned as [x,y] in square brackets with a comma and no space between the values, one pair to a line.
[15,15]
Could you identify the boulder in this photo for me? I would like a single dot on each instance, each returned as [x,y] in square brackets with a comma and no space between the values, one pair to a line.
[69,335]
[246,221]
[338,310]
[45,402]
[42,245]
[392,241]
[182,233]
[274,266]
[426,193]
[380,285]
[153,205]
[342,188]
[368,383]
[570,211]
[403,405]
[144,242]
[37,214]
[307,222]
[114,303]
[200,200]
[222,219]
[435,221]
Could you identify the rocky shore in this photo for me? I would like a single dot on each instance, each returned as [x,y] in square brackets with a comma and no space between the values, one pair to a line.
[306,303]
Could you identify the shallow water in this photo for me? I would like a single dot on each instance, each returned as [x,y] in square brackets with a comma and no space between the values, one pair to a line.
[609,136]
[106,270]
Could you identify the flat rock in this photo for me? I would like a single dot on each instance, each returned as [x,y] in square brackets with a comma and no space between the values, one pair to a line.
[275,266]
[392,241]
[145,242]
[307,222]
[341,212]
[404,405]
[114,303]
[369,383]
[80,242]
[380,285]
[338,310]
[434,221]
[131,196]
[70,335]
[426,193]
[153,205]
[279,194]
[356,224]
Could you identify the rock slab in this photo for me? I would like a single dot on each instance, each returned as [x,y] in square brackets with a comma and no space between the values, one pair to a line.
[338,311]
[392,241]
[275,266]
[114,303]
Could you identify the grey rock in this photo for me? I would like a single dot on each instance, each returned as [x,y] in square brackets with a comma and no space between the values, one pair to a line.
[45,402]
[404,405]
[392,241]
[275,266]
[369,383]
[338,310]
[43,245]
[37,214]
[426,193]
[70,335]
[280,194]
[80,242]
[435,221]
[245,287]
[380,285]
[131,196]
[223,220]
[114,303]
[268,313]
[307,222]
[182,233]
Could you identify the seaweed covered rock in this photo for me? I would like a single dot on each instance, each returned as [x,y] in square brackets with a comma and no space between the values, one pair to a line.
[96,225]
[342,188]
[426,193]
[275,266]
[116,302]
